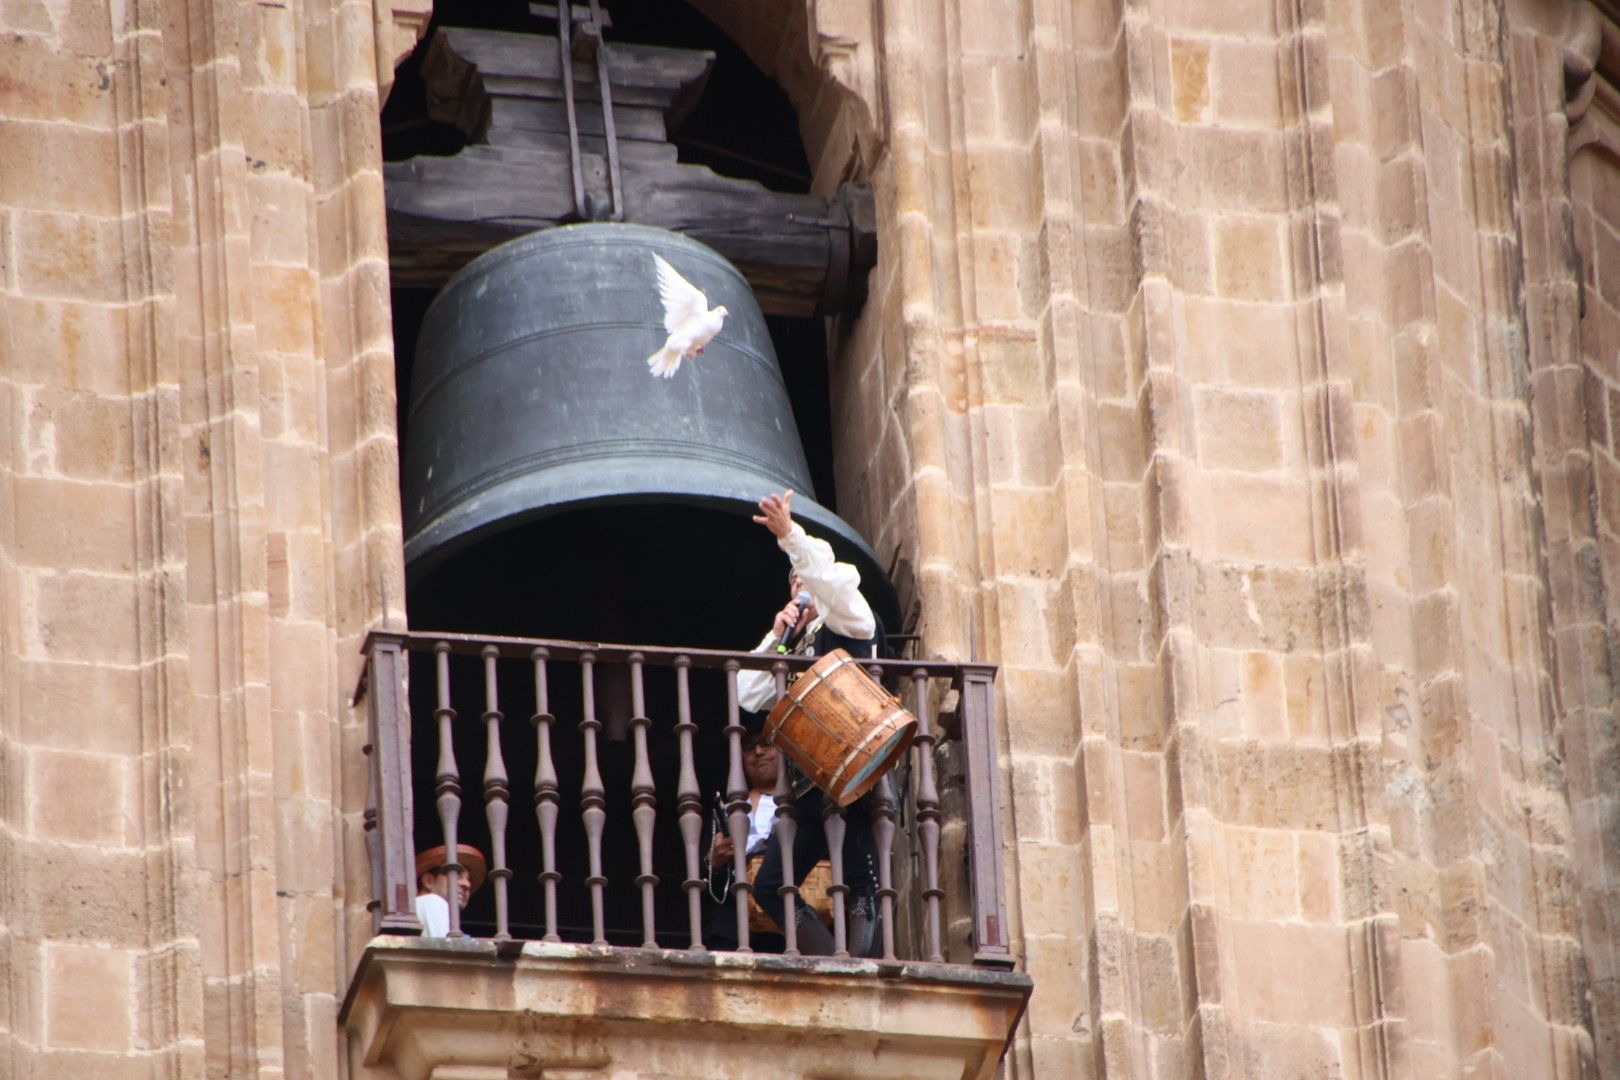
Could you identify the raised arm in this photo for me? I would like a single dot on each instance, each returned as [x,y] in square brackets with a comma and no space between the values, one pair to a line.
[835,586]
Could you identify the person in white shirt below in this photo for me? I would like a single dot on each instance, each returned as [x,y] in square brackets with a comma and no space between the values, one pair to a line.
[761,762]
[835,615]
[433,886]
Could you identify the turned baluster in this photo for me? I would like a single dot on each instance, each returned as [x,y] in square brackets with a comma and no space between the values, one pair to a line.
[737,807]
[447,785]
[927,798]
[497,793]
[689,804]
[883,817]
[787,830]
[592,799]
[545,791]
[833,825]
[643,800]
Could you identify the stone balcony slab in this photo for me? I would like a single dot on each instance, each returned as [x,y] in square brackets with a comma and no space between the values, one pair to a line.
[421,1009]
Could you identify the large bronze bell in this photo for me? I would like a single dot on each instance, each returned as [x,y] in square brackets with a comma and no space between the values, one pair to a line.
[530,398]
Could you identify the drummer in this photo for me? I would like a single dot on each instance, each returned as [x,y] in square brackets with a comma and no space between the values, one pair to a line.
[834,616]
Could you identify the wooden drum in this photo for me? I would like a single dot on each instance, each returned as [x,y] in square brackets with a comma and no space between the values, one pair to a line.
[842,728]
[812,891]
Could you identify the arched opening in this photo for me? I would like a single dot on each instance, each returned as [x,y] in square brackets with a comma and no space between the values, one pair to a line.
[612,571]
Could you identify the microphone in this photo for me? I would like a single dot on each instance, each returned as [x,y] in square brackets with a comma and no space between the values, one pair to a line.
[802,599]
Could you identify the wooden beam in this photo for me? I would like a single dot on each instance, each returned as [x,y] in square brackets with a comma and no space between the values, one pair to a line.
[802,254]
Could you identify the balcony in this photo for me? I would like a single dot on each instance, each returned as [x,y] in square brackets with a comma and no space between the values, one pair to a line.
[584,954]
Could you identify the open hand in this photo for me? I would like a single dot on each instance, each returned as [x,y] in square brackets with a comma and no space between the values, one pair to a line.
[776,513]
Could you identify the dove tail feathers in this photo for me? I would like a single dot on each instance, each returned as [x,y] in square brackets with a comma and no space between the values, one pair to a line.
[664,362]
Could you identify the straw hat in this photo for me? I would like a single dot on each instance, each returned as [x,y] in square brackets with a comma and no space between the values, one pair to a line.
[471,859]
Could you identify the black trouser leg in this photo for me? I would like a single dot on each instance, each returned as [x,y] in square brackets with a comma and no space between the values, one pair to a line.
[809,848]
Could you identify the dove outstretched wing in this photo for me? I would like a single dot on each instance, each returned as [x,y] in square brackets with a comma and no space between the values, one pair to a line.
[683,301]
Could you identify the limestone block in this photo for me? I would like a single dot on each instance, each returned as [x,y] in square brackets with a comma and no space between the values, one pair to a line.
[73,345]
[1318,864]
[1248,344]
[1189,79]
[92,437]
[81,616]
[1249,258]
[1101,194]
[1274,526]
[1270,962]
[999,198]
[66,256]
[61,167]
[1002,276]
[1051,888]
[1265,710]
[1144,795]
[1242,18]
[1262,874]
[79,797]
[1058,966]
[1158,892]
[76,1018]
[65,524]
[1238,429]
[1269,1050]
[1005,105]
[53,85]
[1123,512]
[1245,89]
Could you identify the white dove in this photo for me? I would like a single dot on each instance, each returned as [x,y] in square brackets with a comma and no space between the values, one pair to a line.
[688,320]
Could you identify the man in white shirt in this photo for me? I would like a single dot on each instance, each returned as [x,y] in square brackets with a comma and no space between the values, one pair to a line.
[834,616]
[433,885]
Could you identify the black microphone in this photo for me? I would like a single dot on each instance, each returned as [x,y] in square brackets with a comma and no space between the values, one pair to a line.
[787,632]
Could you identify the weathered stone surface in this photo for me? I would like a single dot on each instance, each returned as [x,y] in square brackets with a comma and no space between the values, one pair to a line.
[1242,378]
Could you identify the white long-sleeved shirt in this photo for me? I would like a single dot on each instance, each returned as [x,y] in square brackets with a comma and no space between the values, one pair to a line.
[834,586]
[434,912]
[760,821]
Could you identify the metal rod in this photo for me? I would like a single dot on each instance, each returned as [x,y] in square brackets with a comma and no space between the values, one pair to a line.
[565,50]
[610,133]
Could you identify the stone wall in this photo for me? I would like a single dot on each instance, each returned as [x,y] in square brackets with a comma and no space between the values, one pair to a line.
[1199,392]
[1240,377]
[200,519]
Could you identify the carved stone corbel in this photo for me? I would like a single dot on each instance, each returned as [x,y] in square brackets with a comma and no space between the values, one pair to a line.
[400,25]
[1591,58]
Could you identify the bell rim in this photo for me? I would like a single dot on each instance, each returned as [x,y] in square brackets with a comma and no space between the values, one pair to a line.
[503,506]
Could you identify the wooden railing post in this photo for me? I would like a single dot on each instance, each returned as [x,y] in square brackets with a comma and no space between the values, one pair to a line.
[391,773]
[984,818]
